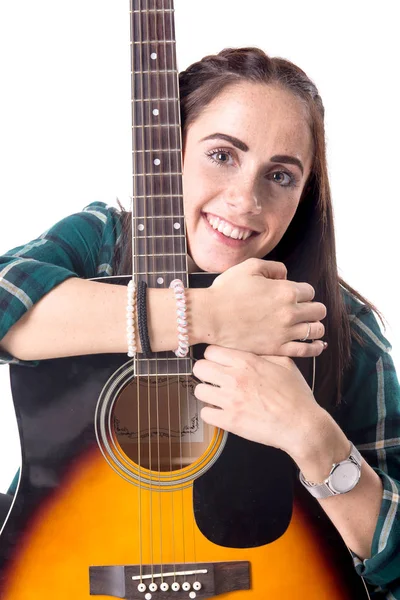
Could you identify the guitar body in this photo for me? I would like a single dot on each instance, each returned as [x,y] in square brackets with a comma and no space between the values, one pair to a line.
[83,524]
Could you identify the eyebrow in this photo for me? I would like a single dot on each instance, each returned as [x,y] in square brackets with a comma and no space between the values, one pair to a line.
[278,158]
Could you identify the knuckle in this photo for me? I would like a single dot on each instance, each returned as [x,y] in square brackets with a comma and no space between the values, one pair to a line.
[289,292]
[283,267]
[252,263]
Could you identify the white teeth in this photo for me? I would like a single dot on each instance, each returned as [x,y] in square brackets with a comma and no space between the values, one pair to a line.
[229,231]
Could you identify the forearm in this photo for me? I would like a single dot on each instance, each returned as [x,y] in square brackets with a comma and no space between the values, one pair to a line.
[355,513]
[81,317]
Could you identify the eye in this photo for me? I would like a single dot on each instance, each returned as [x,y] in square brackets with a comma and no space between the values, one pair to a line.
[284,179]
[220,156]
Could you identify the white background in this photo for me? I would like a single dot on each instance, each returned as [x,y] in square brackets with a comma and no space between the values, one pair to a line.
[65,121]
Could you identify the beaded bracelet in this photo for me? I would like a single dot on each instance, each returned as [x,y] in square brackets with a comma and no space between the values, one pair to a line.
[142,319]
[130,319]
[181,309]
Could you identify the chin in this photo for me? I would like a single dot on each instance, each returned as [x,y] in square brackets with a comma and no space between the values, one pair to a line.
[212,265]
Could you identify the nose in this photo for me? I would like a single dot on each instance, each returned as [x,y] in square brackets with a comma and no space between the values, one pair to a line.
[243,198]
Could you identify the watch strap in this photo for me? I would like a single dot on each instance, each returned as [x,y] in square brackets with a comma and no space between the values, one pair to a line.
[323,490]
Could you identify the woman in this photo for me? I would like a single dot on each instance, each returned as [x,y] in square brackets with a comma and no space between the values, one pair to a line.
[258,211]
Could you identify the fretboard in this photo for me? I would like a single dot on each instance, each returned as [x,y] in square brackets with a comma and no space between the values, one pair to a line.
[159,239]
[156,138]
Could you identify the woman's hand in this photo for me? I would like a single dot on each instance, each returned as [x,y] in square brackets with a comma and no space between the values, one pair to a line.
[266,400]
[254,308]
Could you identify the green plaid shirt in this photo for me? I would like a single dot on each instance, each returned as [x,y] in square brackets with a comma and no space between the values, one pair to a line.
[82,245]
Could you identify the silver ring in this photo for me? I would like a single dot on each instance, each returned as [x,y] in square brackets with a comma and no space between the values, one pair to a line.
[308,333]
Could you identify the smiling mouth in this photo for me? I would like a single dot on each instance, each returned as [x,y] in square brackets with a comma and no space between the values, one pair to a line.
[230,231]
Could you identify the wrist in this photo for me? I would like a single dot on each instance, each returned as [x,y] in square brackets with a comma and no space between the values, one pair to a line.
[201,323]
[328,446]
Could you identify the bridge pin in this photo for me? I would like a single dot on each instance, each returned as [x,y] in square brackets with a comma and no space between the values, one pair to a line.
[175,587]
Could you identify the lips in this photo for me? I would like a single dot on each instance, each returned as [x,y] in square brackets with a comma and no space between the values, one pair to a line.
[227,229]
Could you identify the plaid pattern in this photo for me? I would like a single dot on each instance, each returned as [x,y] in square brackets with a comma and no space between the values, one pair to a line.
[82,245]
[370,417]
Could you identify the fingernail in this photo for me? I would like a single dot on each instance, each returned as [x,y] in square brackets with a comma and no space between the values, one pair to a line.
[325,345]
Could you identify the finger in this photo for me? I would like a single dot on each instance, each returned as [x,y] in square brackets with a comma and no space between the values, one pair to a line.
[206,370]
[305,292]
[313,331]
[310,311]
[209,394]
[214,416]
[303,349]
[223,356]
[282,361]
[268,268]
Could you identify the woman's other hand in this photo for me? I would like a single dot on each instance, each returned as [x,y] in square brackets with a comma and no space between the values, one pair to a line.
[254,308]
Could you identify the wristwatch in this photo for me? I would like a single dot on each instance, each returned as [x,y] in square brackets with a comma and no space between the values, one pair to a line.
[342,478]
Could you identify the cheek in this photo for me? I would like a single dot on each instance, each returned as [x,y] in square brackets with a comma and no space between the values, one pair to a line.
[280,218]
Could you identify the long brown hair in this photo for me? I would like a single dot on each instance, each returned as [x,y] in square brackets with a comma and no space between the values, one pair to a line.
[308,246]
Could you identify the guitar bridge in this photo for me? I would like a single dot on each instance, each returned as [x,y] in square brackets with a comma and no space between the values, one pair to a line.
[169,581]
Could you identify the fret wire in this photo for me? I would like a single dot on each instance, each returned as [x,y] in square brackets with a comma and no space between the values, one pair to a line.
[167,235]
[163,174]
[160,217]
[163,254]
[160,196]
[158,272]
[172,358]
[155,99]
[159,150]
[175,125]
[155,42]
[155,72]
[148,10]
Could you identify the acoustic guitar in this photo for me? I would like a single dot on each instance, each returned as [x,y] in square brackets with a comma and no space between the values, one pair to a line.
[124,492]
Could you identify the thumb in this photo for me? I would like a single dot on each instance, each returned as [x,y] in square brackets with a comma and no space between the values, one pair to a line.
[272,269]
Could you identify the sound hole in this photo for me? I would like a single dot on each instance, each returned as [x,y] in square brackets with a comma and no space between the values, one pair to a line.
[170,434]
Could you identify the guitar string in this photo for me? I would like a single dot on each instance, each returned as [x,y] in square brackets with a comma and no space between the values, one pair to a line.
[135,270]
[175,396]
[177,121]
[175,95]
[161,174]
[161,202]
[144,33]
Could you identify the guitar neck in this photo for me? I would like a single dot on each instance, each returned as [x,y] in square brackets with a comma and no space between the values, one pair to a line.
[157,217]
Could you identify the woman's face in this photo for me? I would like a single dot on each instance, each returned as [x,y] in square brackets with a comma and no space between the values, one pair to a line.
[246,160]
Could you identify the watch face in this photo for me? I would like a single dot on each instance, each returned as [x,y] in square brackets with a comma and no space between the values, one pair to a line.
[344,477]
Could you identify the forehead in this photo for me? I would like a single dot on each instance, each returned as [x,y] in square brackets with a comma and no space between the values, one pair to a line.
[263,116]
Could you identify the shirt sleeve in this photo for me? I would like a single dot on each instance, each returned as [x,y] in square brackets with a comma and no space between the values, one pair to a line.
[80,245]
[370,417]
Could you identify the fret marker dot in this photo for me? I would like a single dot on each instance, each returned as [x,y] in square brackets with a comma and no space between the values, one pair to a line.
[141,227]
[160,280]
[153,55]
[177,225]
[156,112]
[157,162]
